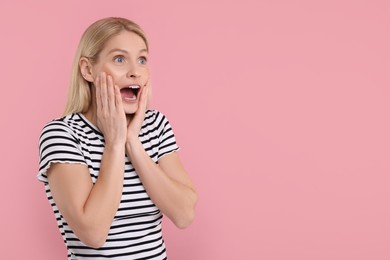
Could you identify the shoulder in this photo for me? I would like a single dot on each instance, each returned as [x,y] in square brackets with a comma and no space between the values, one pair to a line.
[56,125]
[157,127]
[155,119]
[66,126]
[66,122]
[153,114]
[59,143]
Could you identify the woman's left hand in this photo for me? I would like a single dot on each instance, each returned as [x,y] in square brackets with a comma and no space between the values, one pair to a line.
[136,120]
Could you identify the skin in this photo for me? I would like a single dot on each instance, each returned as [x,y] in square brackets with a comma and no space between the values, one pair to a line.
[89,209]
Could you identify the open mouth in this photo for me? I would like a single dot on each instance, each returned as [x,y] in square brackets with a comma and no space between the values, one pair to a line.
[130,93]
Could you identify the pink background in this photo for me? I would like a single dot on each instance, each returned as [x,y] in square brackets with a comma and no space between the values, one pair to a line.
[281,109]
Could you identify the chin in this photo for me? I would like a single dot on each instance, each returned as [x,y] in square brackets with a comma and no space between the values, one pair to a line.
[129,110]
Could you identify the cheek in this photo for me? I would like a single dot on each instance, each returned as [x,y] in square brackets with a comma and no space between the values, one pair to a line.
[103,68]
[110,70]
[145,73]
[115,73]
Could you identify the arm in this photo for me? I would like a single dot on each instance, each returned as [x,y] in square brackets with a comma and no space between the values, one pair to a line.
[167,183]
[90,208]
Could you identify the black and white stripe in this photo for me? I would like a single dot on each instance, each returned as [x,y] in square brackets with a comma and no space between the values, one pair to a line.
[135,232]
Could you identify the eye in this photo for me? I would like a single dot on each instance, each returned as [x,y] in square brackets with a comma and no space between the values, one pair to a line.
[119,59]
[142,60]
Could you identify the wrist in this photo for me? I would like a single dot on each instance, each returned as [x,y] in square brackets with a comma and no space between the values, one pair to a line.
[132,139]
[114,147]
[132,144]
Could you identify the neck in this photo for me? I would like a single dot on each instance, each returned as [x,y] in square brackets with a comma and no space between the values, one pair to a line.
[91,115]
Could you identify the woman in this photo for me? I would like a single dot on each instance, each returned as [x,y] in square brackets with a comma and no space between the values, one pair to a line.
[110,166]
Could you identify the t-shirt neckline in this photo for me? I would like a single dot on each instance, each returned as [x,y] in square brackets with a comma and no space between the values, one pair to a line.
[87,122]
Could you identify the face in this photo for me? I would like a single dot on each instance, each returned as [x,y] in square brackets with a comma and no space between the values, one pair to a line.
[125,58]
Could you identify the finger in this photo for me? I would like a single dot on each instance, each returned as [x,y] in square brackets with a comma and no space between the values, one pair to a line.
[97,96]
[144,97]
[110,93]
[103,92]
[118,98]
[150,90]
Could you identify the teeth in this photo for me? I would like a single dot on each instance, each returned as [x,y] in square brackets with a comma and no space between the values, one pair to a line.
[131,99]
[134,87]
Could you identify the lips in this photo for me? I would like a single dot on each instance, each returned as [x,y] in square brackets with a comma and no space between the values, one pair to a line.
[130,93]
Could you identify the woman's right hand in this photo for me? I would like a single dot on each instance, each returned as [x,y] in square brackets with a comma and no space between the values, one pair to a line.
[111,118]
[88,207]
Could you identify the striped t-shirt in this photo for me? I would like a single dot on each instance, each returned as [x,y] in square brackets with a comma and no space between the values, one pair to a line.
[135,232]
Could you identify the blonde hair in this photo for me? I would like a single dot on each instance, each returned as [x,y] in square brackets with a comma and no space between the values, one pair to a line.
[91,44]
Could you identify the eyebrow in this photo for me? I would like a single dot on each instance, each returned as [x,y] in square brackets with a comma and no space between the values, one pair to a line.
[124,51]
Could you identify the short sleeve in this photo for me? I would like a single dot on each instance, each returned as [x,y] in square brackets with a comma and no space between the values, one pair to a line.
[167,140]
[57,144]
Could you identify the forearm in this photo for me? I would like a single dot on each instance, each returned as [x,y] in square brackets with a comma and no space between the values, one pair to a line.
[104,198]
[175,199]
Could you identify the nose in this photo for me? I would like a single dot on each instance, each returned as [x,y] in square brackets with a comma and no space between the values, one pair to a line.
[133,71]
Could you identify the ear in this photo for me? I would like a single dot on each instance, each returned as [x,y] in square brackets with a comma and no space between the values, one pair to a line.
[86,69]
